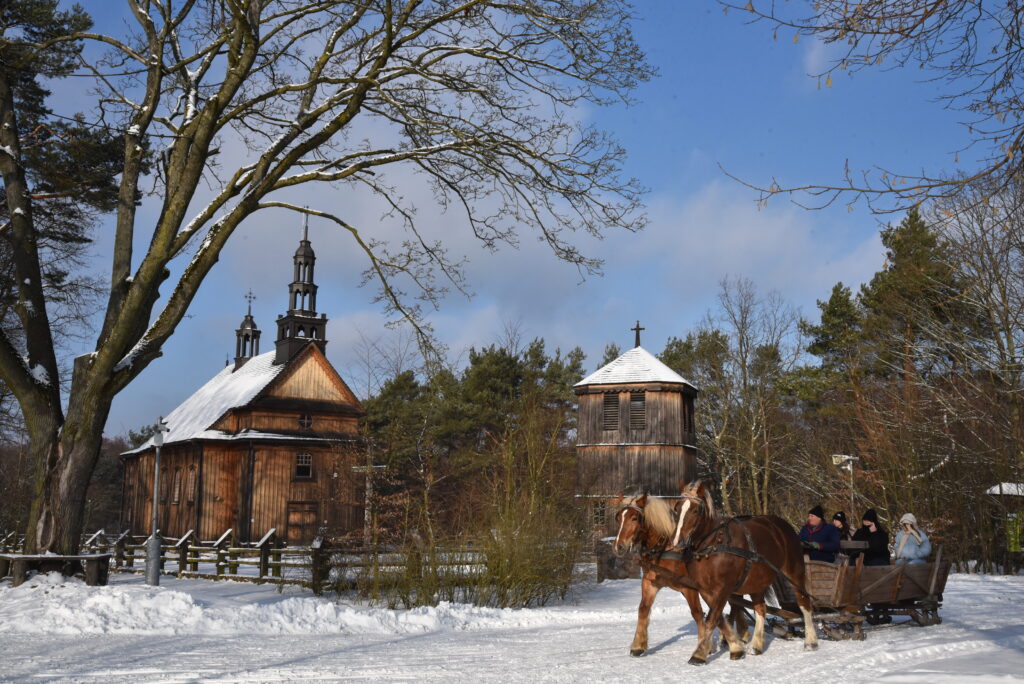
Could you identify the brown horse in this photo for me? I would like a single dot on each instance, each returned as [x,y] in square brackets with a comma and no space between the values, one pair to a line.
[738,556]
[646,524]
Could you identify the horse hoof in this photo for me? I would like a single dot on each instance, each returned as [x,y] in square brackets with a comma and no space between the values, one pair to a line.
[636,652]
[694,660]
[756,651]
[811,647]
[738,655]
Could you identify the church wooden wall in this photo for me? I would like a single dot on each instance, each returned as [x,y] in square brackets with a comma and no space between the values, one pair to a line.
[609,470]
[287,421]
[333,497]
[313,380]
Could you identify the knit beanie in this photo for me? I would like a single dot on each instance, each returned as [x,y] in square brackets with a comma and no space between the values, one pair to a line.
[818,511]
[870,515]
[840,516]
[908,518]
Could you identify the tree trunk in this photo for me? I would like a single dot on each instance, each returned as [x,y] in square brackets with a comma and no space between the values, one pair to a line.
[66,463]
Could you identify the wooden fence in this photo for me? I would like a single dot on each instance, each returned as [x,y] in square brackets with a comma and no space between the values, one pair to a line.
[317,566]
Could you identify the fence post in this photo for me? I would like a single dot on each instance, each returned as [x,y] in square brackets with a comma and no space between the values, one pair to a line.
[90,543]
[319,566]
[264,545]
[221,545]
[182,547]
[119,545]
[233,555]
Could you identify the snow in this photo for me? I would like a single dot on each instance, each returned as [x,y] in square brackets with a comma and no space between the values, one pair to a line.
[636,365]
[1007,489]
[19,211]
[6,149]
[226,390]
[134,129]
[197,630]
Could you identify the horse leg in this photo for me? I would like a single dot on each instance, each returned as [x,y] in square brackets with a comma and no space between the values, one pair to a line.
[732,638]
[696,611]
[739,619]
[648,590]
[757,645]
[715,606]
[810,634]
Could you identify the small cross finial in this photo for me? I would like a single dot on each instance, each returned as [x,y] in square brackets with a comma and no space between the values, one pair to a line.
[637,330]
[250,297]
[305,226]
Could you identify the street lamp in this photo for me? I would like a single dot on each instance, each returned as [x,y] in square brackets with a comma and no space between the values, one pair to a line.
[153,543]
[846,461]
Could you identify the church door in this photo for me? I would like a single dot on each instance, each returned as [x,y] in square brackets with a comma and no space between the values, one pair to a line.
[302,517]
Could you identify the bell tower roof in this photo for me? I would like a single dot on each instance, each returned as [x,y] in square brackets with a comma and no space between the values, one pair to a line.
[247,336]
[301,324]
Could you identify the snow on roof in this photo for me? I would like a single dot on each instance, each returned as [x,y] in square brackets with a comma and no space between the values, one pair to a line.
[1007,489]
[636,365]
[225,391]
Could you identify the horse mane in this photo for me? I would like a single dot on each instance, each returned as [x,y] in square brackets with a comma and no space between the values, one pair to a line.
[712,513]
[659,516]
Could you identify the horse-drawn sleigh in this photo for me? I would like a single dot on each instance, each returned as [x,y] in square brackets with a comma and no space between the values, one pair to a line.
[722,560]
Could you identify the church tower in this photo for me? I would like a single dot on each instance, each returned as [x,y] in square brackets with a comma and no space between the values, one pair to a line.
[247,337]
[301,325]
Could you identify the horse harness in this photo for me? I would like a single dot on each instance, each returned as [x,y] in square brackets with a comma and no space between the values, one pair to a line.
[722,544]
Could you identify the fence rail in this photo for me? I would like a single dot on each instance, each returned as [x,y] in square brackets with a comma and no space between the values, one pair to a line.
[267,561]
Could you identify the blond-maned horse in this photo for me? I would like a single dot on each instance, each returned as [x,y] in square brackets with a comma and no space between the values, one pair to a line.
[645,525]
[738,556]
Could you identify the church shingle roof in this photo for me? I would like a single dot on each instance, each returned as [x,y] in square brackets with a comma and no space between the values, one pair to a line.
[635,366]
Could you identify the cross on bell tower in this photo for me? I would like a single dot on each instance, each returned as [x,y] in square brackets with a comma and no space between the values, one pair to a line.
[301,325]
[637,330]
[247,336]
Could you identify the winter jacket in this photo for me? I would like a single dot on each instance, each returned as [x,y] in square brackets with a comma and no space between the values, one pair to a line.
[877,552]
[827,537]
[913,551]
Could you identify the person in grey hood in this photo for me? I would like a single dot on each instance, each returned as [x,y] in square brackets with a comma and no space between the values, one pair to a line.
[911,543]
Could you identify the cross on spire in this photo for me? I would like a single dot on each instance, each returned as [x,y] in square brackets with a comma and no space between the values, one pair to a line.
[250,297]
[637,330]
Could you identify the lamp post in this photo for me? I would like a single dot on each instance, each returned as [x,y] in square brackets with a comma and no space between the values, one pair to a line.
[153,543]
[846,461]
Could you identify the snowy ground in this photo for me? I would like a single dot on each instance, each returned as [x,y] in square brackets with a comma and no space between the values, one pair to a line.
[197,630]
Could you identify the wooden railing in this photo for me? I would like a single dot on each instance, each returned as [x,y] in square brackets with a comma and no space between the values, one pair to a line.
[268,560]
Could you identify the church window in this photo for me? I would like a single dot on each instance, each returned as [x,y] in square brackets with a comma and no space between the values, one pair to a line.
[164,485]
[303,466]
[177,486]
[611,412]
[305,421]
[637,411]
[190,488]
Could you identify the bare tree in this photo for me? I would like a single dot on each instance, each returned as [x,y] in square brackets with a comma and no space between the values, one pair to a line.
[972,48]
[475,95]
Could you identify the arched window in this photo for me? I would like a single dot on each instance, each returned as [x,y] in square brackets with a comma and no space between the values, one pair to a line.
[177,486]
[190,488]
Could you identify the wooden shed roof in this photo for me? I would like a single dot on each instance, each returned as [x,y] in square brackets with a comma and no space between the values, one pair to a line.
[635,366]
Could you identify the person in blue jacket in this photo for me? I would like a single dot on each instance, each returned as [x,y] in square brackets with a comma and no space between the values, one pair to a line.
[911,543]
[821,541]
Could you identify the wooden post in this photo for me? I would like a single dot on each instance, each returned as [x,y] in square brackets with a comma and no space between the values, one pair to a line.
[119,545]
[182,547]
[265,545]
[935,573]
[319,567]
[221,545]
[233,555]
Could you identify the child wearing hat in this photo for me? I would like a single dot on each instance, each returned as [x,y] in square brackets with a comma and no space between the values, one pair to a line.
[821,541]
[839,522]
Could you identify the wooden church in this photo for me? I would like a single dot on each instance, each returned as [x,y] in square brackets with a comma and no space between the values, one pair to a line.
[270,442]
[635,430]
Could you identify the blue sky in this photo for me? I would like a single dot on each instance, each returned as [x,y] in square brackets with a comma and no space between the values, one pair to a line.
[727,94]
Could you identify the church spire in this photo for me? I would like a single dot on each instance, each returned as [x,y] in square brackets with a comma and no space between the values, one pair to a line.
[247,337]
[301,324]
